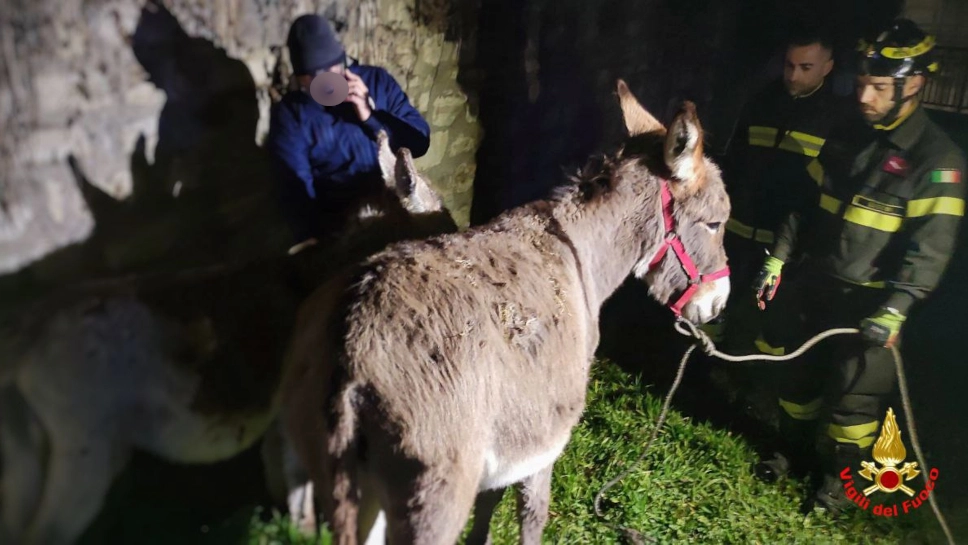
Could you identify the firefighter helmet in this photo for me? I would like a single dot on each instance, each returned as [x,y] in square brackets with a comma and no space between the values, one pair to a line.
[900,51]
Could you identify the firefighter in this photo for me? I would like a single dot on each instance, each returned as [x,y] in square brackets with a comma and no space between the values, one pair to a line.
[877,241]
[770,170]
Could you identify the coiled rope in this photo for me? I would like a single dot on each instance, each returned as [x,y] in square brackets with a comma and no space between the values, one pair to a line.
[689,329]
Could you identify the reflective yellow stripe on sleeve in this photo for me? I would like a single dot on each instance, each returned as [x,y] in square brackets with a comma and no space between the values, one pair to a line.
[739,228]
[762,136]
[830,204]
[795,141]
[803,143]
[951,206]
[815,170]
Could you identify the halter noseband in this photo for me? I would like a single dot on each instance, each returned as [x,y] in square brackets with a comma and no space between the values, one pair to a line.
[672,240]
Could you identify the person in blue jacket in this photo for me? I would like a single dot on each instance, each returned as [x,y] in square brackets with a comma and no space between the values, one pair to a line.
[324,155]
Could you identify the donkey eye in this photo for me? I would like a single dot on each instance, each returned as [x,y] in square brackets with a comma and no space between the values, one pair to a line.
[714,225]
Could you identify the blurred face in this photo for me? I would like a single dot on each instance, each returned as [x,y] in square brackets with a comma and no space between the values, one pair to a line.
[805,68]
[875,95]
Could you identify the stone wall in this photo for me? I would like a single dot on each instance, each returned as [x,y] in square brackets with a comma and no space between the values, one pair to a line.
[131,131]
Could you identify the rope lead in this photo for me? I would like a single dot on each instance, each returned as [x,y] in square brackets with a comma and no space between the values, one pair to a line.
[689,329]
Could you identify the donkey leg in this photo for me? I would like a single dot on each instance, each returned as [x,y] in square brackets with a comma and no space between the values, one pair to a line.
[298,486]
[484,507]
[432,509]
[22,451]
[272,455]
[371,523]
[78,479]
[534,498]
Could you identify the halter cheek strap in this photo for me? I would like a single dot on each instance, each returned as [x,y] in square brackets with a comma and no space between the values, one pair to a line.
[673,241]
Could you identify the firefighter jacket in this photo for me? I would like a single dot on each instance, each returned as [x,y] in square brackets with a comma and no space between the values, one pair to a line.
[766,165]
[888,212]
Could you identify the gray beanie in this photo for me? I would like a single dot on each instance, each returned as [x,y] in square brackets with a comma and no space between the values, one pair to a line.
[313,45]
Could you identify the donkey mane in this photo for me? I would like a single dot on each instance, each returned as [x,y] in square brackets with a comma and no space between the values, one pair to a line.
[597,178]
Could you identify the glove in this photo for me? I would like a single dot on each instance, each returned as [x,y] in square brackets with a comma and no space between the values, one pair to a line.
[883,327]
[767,281]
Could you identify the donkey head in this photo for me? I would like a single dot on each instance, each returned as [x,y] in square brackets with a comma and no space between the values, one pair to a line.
[414,191]
[684,263]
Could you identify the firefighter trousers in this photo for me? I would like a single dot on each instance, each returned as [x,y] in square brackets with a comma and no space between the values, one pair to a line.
[842,383]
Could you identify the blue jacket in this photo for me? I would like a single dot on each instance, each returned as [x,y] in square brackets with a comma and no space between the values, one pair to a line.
[322,153]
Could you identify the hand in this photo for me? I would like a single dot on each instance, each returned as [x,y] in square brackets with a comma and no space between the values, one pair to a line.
[358,96]
[883,327]
[767,282]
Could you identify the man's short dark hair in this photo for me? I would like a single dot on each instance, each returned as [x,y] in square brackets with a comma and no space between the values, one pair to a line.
[805,37]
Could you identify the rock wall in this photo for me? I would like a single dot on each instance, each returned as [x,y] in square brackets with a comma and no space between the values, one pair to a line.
[131,131]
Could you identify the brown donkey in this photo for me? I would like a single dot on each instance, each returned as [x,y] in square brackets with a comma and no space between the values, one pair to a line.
[442,369]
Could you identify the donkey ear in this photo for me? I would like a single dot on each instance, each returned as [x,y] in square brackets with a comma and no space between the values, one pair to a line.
[405,175]
[386,159]
[683,147]
[637,119]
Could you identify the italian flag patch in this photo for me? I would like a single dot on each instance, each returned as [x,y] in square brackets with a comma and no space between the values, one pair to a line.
[946,176]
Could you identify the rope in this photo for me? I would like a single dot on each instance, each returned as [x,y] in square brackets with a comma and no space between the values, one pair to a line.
[689,329]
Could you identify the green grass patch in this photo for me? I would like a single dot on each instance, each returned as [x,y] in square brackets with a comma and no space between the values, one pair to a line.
[694,486]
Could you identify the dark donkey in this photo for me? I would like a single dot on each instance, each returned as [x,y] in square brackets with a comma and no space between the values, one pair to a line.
[185,366]
[457,365]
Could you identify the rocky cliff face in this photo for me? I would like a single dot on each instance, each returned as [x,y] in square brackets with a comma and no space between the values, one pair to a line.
[136,127]
[131,131]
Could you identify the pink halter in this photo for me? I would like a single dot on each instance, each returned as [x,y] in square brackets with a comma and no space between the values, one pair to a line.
[672,240]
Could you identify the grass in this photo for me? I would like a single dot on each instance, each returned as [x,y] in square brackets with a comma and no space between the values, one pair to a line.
[694,486]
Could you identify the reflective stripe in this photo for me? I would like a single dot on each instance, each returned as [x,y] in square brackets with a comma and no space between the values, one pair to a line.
[815,170]
[808,138]
[872,219]
[799,142]
[766,348]
[830,204]
[872,284]
[904,52]
[861,435]
[762,136]
[951,206]
[739,228]
[807,411]
[795,141]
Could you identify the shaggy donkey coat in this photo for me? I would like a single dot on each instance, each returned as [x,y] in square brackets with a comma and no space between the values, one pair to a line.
[441,370]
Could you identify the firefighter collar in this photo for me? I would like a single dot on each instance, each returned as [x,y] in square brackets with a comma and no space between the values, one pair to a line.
[907,133]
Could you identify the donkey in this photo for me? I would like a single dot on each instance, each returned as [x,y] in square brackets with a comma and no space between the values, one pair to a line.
[438,371]
[188,371]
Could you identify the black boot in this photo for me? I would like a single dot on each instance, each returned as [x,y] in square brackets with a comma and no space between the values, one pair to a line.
[794,452]
[835,494]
